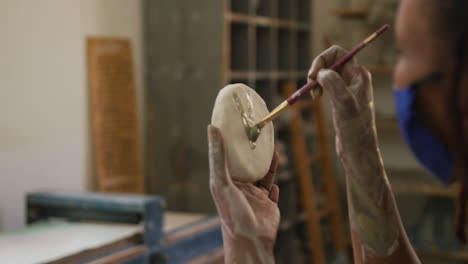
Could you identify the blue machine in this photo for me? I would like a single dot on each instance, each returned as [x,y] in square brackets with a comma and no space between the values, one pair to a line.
[198,241]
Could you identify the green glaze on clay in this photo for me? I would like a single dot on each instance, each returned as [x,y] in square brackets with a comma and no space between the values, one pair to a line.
[247,119]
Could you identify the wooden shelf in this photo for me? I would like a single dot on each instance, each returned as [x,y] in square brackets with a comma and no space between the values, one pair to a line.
[406,188]
[285,225]
[264,75]
[297,74]
[418,182]
[238,18]
[380,68]
[304,104]
[292,75]
[284,176]
[457,255]
[301,217]
[240,75]
[383,125]
[357,13]
[266,21]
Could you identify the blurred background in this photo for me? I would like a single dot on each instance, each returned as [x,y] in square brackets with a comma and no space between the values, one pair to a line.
[67,122]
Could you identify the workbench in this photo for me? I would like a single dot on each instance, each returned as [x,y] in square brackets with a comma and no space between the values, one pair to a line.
[110,228]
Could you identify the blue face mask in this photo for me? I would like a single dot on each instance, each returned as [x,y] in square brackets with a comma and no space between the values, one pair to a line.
[429,151]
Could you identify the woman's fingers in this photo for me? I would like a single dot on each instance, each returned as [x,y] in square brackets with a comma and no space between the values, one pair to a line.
[351,71]
[340,95]
[219,177]
[267,181]
[274,193]
[365,94]
[318,64]
[324,61]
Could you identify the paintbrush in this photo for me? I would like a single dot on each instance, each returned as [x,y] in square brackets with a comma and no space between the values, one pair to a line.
[253,132]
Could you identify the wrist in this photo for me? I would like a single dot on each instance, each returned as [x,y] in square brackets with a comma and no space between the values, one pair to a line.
[242,249]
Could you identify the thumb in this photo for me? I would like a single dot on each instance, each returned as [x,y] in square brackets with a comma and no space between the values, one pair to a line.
[219,177]
[341,97]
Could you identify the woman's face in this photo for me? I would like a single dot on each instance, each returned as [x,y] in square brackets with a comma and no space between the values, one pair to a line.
[421,53]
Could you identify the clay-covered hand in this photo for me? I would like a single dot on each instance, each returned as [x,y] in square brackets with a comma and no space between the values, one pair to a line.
[351,97]
[371,204]
[249,212]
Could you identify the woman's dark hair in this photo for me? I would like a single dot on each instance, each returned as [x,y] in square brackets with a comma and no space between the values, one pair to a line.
[450,17]
[451,21]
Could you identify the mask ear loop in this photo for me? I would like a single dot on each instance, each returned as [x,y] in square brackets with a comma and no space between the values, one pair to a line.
[457,116]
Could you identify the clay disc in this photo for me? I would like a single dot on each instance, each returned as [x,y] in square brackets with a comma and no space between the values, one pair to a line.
[245,163]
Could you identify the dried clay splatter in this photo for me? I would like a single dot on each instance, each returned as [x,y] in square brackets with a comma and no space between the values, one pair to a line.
[246,115]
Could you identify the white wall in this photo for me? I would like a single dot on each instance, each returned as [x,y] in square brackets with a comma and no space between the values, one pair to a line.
[44,127]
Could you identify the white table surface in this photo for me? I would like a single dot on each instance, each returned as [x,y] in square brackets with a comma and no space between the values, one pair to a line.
[48,241]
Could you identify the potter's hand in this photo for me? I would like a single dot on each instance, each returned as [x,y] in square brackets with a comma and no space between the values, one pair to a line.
[352,103]
[249,212]
[371,203]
